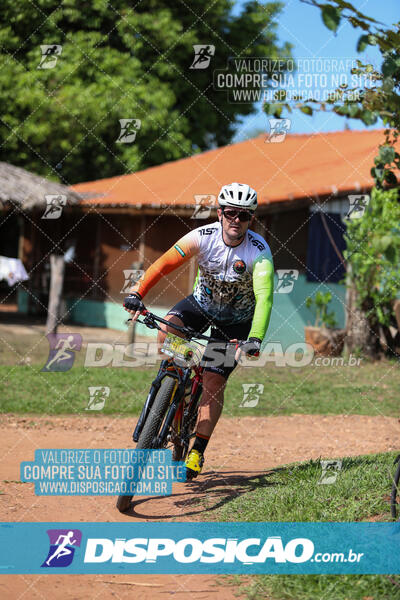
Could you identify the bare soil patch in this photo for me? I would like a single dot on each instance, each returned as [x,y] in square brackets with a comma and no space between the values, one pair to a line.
[241,451]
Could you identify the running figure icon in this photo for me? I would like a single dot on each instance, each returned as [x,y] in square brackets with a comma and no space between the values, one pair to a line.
[202,55]
[286,280]
[63,545]
[62,345]
[62,351]
[62,549]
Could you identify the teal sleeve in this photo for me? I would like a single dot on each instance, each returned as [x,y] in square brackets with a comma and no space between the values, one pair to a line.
[263,286]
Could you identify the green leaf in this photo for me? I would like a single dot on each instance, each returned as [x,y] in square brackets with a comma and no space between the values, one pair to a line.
[307,110]
[368,117]
[390,177]
[377,172]
[386,154]
[389,66]
[354,110]
[391,255]
[331,16]
[341,110]
[388,84]
[386,241]
[362,43]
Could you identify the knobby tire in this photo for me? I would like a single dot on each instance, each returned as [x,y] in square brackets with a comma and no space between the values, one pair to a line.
[151,428]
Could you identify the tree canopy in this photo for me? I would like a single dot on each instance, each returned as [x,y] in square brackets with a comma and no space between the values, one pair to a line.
[120,60]
[372,241]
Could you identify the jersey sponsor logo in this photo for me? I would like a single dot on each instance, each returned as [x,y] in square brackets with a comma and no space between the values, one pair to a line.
[239,266]
[179,249]
[207,230]
[256,243]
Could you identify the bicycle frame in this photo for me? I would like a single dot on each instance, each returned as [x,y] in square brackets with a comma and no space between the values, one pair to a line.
[179,412]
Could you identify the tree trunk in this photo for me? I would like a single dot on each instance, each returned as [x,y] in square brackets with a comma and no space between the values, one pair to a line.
[57,266]
[361,335]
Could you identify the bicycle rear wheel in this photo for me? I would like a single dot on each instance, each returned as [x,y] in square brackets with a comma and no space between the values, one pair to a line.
[395,489]
[151,428]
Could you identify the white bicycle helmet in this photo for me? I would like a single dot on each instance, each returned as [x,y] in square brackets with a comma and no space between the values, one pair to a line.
[238,195]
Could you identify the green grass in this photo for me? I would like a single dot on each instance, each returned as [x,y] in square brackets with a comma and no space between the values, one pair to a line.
[368,389]
[324,587]
[371,389]
[292,493]
[27,390]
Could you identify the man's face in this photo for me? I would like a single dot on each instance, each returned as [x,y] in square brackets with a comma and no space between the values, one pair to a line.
[232,225]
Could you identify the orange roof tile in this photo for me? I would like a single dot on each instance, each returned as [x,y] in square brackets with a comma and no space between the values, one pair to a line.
[301,166]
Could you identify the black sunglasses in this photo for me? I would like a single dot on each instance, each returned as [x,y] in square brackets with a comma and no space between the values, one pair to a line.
[243,215]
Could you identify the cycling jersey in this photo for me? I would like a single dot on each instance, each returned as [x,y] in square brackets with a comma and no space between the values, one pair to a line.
[233,283]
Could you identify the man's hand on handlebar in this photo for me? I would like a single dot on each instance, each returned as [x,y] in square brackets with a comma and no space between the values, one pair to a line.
[134,305]
[251,347]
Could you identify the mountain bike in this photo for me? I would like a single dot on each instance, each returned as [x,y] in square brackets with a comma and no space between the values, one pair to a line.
[395,489]
[169,414]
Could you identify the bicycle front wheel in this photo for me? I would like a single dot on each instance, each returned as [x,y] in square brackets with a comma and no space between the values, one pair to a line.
[152,427]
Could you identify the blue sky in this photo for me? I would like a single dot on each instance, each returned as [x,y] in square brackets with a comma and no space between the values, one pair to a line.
[302,26]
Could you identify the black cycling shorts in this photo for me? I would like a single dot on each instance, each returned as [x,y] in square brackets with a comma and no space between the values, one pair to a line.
[222,355]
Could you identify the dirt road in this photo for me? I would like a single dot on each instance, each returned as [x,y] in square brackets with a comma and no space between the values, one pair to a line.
[240,450]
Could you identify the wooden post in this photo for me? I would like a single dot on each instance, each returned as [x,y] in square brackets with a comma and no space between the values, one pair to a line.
[96,266]
[57,267]
[139,264]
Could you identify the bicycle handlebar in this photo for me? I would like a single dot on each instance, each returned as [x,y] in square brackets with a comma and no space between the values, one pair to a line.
[150,320]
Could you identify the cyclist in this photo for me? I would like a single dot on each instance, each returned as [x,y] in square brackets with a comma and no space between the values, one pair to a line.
[232,293]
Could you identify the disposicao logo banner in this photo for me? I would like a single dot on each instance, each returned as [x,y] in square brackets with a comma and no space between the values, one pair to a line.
[201,548]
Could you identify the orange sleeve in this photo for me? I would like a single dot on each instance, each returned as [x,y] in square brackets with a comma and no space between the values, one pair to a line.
[182,251]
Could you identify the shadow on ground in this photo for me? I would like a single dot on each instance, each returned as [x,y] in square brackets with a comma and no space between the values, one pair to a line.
[210,492]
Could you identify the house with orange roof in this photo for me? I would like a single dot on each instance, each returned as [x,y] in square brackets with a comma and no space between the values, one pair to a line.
[126,222]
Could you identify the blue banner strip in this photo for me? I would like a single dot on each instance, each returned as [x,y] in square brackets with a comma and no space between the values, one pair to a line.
[201,548]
